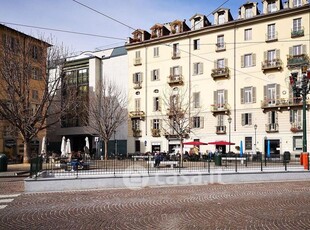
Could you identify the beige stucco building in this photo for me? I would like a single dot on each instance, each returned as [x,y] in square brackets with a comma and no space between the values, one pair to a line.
[237,68]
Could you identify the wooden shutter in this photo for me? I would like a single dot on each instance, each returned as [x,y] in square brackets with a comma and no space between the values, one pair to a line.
[133,78]
[278,91]
[254,94]
[200,68]
[242,95]
[215,99]
[253,59]
[277,53]
[291,51]
[225,96]
[242,61]
[304,49]
[291,116]
[215,64]
[265,93]
[265,56]
[180,70]
[171,71]
[250,118]
[158,74]
[201,122]
[195,67]
[243,119]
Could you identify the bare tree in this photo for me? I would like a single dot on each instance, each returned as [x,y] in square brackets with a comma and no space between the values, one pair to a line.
[107,111]
[27,89]
[178,121]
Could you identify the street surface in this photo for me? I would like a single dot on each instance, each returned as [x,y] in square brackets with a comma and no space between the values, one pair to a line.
[281,205]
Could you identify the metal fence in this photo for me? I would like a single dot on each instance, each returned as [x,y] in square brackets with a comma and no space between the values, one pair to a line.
[61,167]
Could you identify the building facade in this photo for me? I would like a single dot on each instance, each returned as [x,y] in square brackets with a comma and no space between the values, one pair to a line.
[23,58]
[83,75]
[235,73]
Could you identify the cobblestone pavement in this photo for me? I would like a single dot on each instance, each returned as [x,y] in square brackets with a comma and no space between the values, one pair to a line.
[281,205]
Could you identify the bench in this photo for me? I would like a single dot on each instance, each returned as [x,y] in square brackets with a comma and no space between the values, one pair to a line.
[135,158]
[241,159]
[172,164]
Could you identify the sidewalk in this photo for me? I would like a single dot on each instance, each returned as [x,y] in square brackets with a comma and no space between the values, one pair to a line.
[16,170]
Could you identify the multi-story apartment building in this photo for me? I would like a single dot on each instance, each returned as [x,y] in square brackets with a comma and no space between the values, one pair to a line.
[26,56]
[231,68]
[83,75]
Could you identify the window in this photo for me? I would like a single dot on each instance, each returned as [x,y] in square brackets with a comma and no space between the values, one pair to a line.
[176,51]
[198,68]
[138,54]
[176,71]
[297,50]
[272,118]
[248,12]
[271,32]
[156,104]
[220,97]
[246,119]
[137,77]
[296,117]
[198,23]
[248,143]
[35,52]
[297,3]
[196,44]
[247,34]
[221,18]
[220,42]
[271,93]
[156,51]
[248,60]
[197,122]
[155,124]
[83,76]
[220,63]
[135,124]
[196,99]
[137,104]
[220,124]
[36,74]
[248,95]
[296,24]
[35,94]
[272,7]
[297,143]
[155,75]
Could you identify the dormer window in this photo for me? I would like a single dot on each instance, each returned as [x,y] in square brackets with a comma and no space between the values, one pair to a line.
[198,23]
[272,7]
[248,12]
[297,3]
[221,18]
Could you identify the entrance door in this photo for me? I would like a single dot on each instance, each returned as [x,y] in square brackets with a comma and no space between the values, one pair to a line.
[274,148]
[137,146]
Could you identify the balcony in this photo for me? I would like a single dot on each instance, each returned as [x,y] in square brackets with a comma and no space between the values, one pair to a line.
[272,128]
[297,60]
[176,55]
[156,132]
[137,115]
[136,133]
[275,64]
[272,37]
[137,85]
[282,103]
[137,61]
[220,109]
[295,33]
[221,129]
[172,136]
[220,73]
[296,127]
[220,47]
[174,80]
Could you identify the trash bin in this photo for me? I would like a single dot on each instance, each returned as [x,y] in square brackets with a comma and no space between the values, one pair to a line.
[3,163]
[287,156]
[218,160]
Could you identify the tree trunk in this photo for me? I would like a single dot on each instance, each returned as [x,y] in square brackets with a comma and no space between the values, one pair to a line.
[106,150]
[26,156]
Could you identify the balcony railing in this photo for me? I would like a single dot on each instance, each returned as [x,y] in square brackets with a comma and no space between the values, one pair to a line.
[285,103]
[297,60]
[271,37]
[136,133]
[296,127]
[175,80]
[156,132]
[220,73]
[137,85]
[272,127]
[220,108]
[271,64]
[297,32]
[221,129]
[137,61]
[220,46]
[137,115]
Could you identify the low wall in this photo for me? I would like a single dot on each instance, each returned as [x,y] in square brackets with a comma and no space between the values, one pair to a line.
[132,181]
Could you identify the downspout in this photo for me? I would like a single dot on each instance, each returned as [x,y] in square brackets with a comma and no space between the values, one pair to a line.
[146,109]
[235,112]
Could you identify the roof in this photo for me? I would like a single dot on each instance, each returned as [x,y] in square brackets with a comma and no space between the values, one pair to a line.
[119,51]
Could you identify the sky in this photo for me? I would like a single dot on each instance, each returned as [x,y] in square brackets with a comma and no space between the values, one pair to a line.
[69,15]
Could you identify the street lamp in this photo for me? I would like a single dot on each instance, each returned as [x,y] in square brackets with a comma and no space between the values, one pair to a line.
[255,127]
[301,87]
[229,121]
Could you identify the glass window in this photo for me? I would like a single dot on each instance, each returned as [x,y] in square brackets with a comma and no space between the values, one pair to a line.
[155,123]
[156,51]
[136,124]
[248,143]
[137,77]
[155,75]
[272,7]
[156,104]
[297,50]
[297,143]
[196,44]
[248,95]
[248,12]
[220,42]
[247,34]
[247,60]
[198,68]
[246,119]
[271,33]
[196,99]
[221,18]
[196,122]
[296,24]
[297,3]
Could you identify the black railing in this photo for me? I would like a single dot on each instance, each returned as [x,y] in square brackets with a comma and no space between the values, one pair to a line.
[169,163]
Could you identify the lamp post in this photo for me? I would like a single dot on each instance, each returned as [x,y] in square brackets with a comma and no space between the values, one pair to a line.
[255,127]
[115,143]
[229,122]
[301,87]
